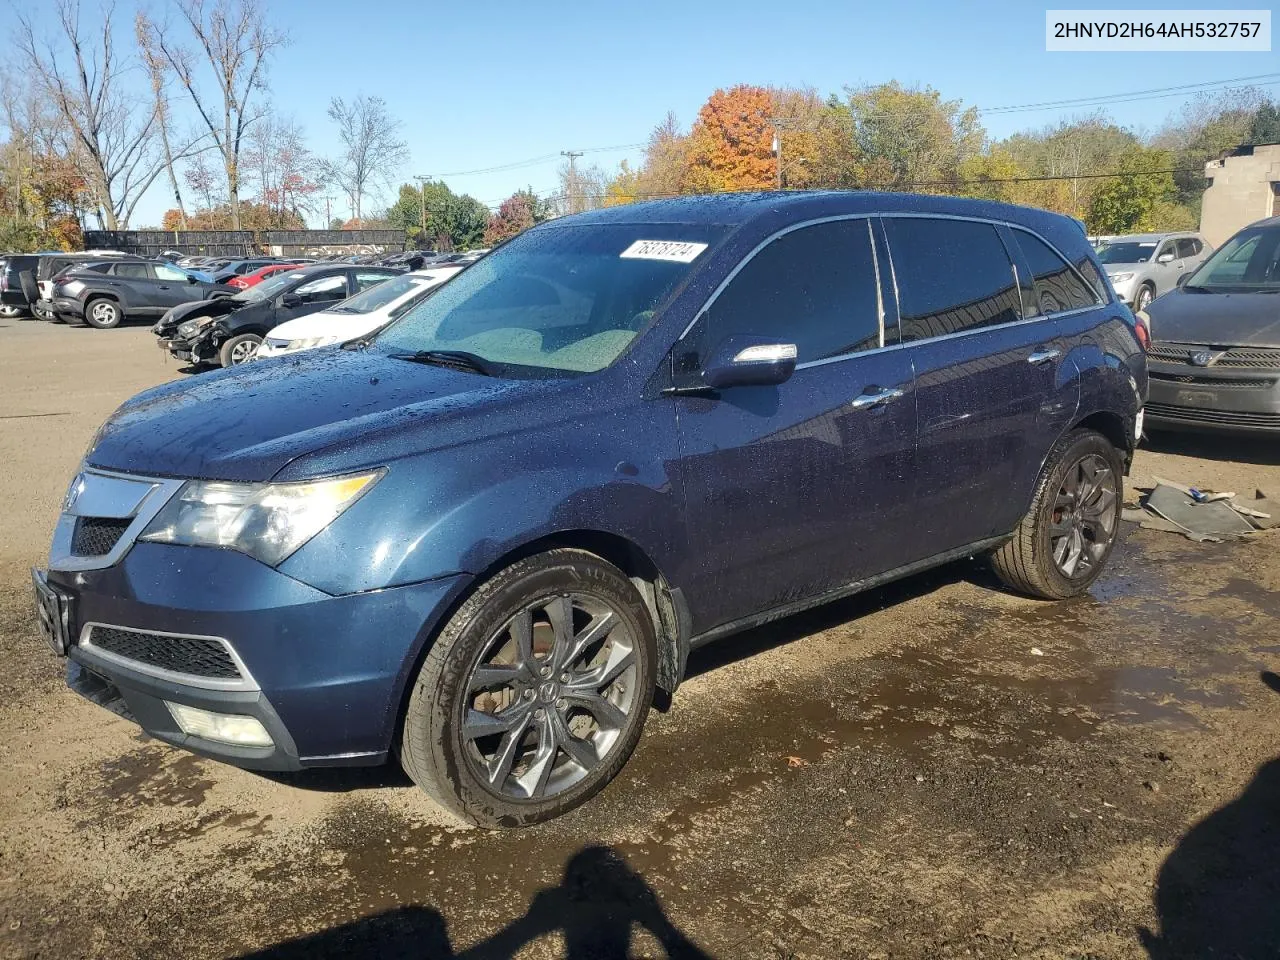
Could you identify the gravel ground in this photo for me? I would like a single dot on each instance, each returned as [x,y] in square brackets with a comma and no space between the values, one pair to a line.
[933,769]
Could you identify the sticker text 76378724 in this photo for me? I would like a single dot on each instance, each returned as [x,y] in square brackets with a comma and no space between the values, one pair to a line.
[676,250]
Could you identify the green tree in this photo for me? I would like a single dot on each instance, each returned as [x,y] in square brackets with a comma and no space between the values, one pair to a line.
[1129,201]
[1264,127]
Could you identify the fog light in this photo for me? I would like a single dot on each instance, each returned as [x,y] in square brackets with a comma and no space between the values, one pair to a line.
[223,727]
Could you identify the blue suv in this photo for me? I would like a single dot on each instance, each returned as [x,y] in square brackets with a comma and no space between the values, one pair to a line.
[483,538]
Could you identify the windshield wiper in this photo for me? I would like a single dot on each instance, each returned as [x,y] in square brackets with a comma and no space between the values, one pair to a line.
[453,359]
[1196,287]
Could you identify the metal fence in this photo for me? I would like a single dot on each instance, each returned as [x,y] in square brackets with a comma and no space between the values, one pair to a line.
[243,243]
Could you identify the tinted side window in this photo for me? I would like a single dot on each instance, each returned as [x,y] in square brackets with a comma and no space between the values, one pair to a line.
[814,287]
[1186,247]
[1057,286]
[952,275]
[134,271]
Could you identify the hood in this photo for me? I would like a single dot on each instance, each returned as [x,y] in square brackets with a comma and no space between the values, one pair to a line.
[1217,319]
[249,422]
[348,326]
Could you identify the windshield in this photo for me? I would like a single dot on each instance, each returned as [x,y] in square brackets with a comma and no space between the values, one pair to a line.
[1248,262]
[568,299]
[377,296]
[1127,251]
[268,288]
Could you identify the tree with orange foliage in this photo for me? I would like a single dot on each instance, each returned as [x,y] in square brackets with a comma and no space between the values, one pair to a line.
[731,145]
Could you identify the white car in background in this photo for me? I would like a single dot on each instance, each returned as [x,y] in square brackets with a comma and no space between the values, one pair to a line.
[355,316]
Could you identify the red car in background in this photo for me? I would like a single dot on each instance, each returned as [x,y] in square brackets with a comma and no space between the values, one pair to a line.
[249,279]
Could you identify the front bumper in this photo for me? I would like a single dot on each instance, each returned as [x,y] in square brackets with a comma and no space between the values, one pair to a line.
[1213,400]
[325,675]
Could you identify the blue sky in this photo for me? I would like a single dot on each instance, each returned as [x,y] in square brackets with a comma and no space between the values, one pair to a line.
[483,84]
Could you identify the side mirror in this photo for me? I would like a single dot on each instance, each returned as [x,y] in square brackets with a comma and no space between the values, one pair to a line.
[290,300]
[1165,258]
[749,362]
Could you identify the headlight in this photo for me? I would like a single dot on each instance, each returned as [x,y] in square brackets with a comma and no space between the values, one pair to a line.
[189,328]
[1121,277]
[268,521]
[309,342]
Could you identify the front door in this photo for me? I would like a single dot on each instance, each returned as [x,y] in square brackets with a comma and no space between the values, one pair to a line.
[796,489]
[172,286]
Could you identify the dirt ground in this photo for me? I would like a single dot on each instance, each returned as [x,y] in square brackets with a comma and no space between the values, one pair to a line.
[933,769]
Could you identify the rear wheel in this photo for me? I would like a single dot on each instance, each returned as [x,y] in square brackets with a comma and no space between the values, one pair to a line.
[239,349]
[102,314]
[1063,542]
[534,694]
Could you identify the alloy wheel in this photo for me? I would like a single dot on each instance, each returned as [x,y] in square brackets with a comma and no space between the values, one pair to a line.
[1144,298]
[550,696]
[1084,516]
[244,350]
[103,312]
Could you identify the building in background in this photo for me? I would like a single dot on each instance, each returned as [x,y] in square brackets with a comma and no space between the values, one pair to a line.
[1243,186]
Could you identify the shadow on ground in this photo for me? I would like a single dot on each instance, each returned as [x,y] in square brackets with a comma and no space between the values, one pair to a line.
[596,907]
[1215,447]
[1218,894]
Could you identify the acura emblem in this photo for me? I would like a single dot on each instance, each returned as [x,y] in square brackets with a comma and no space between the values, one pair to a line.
[1201,358]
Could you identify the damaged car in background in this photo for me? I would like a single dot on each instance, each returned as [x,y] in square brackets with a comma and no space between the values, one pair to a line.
[229,331]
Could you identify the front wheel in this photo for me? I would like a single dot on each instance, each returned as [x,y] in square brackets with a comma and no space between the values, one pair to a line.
[1063,542]
[534,694]
[239,349]
[1144,297]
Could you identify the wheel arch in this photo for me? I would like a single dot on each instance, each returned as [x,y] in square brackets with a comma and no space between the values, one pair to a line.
[665,604]
[1112,426]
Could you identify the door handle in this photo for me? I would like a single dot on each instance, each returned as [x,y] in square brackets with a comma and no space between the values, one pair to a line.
[1044,356]
[883,395]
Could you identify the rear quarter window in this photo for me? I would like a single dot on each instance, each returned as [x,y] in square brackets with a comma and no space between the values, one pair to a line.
[1057,287]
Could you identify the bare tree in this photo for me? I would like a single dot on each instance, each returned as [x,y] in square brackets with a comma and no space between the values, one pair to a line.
[236,44]
[372,150]
[156,71]
[113,134]
[282,169]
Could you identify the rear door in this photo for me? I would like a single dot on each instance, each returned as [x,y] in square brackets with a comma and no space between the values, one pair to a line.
[137,287]
[985,377]
[796,489]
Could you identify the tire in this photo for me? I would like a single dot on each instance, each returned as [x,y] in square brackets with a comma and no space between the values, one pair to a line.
[239,349]
[102,314]
[10,313]
[1142,299]
[559,752]
[1035,561]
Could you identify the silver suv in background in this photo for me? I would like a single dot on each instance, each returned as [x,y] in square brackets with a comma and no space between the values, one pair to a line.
[1143,266]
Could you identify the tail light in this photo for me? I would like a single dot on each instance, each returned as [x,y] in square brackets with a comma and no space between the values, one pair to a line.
[1142,330]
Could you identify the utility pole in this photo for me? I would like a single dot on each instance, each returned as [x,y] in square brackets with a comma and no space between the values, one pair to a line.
[573,176]
[422,208]
[328,216]
[777,149]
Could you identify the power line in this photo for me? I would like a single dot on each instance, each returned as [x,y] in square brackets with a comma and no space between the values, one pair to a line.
[535,161]
[1153,93]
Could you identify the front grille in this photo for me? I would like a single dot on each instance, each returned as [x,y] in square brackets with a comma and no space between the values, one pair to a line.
[1251,383]
[1265,357]
[194,656]
[1166,411]
[95,536]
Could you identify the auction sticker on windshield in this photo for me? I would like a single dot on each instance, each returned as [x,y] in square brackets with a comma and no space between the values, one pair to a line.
[675,250]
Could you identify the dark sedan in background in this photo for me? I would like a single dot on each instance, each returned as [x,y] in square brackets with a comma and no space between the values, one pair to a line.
[228,331]
[1215,356]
